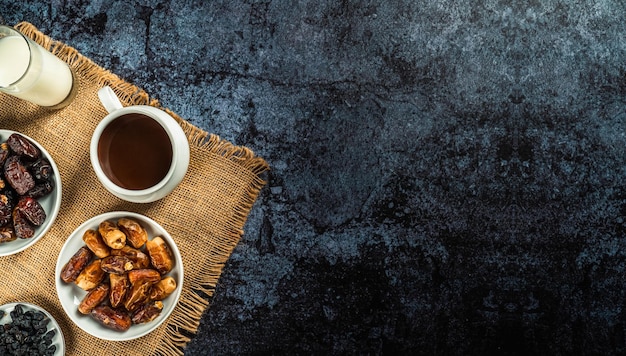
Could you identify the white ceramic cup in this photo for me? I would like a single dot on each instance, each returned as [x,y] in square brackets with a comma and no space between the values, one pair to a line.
[177,138]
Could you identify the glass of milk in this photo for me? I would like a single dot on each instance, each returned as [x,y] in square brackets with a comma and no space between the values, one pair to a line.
[30,72]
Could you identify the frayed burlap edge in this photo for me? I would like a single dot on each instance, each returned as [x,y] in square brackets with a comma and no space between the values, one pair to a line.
[179,329]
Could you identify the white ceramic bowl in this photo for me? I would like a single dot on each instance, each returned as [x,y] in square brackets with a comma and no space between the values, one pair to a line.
[50,203]
[71,295]
[57,340]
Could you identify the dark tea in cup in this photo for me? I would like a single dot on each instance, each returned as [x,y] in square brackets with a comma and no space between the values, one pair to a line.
[135,151]
[139,153]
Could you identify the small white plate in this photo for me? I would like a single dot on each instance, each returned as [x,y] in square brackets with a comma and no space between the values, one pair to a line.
[51,204]
[71,295]
[57,339]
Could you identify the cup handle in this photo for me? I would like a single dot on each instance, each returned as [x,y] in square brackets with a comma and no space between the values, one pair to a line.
[109,100]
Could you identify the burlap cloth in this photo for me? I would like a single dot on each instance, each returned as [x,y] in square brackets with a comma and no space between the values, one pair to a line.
[205,214]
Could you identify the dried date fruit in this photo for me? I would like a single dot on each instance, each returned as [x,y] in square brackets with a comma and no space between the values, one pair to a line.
[135,233]
[18,176]
[94,242]
[93,298]
[116,264]
[7,234]
[22,227]
[115,319]
[40,190]
[23,147]
[32,210]
[147,312]
[140,259]
[11,196]
[6,209]
[91,276]
[119,287]
[138,295]
[76,264]
[4,152]
[111,235]
[41,170]
[160,255]
[163,288]
[144,275]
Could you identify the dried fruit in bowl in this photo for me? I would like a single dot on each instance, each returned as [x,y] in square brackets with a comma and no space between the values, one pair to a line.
[111,235]
[25,176]
[135,233]
[126,285]
[23,147]
[116,264]
[160,255]
[94,298]
[147,312]
[91,275]
[115,319]
[32,210]
[76,264]
[94,242]
[17,175]
[163,288]
[119,288]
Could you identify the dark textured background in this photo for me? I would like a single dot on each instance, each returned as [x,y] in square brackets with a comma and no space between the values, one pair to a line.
[447,176]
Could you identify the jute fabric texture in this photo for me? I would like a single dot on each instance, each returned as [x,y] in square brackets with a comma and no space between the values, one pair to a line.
[205,214]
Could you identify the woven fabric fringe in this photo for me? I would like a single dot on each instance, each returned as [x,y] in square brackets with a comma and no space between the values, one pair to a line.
[195,303]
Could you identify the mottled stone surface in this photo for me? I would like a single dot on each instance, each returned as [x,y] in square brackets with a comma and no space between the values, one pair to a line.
[447,176]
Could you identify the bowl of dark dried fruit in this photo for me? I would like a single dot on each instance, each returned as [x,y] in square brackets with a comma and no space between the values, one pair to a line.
[30,192]
[28,329]
[119,276]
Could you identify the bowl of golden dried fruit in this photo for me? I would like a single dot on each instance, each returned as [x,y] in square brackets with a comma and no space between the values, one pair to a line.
[30,192]
[119,276]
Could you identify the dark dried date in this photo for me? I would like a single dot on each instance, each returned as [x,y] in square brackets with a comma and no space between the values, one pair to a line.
[40,190]
[93,298]
[6,209]
[163,288]
[41,170]
[94,242]
[23,147]
[32,210]
[4,152]
[119,287]
[115,319]
[21,225]
[147,312]
[76,264]
[138,295]
[91,276]
[116,264]
[144,275]
[140,259]
[7,234]
[18,176]
[135,233]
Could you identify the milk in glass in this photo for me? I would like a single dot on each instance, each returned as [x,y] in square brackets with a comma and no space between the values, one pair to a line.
[29,72]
